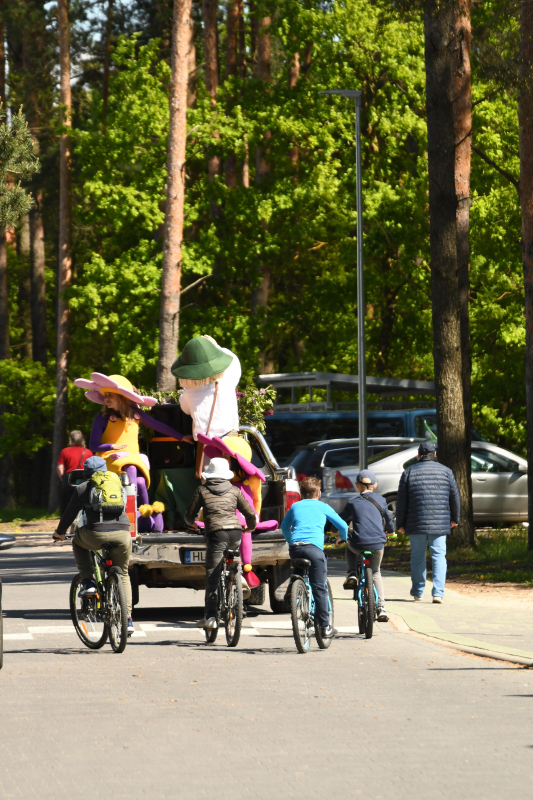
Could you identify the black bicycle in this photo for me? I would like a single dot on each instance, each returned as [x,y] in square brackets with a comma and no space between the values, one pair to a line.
[97,617]
[365,595]
[230,609]
[303,608]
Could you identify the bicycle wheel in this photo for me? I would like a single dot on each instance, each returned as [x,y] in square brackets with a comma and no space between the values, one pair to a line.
[300,615]
[87,616]
[117,622]
[370,603]
[325,643]
[234,609]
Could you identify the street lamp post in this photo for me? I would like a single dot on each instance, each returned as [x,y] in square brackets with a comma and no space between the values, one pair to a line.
[363,452]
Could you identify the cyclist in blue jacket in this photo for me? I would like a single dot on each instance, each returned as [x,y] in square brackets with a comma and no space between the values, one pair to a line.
[371,521]
[303,528]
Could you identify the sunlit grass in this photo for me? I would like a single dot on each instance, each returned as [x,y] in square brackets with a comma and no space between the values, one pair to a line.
[25,514]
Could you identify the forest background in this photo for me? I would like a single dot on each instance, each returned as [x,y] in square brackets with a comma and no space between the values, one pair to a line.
[270,203]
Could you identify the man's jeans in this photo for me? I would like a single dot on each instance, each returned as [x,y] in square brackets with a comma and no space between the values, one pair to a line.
[437,550]
[318,575]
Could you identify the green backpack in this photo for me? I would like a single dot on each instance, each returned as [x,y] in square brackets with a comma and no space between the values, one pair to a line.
[107,495]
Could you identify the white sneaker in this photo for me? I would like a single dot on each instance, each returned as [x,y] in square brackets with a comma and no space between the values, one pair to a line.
[438,599]
[382,614]
[207,622]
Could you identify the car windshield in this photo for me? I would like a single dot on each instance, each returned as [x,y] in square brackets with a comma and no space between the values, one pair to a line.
[300,458]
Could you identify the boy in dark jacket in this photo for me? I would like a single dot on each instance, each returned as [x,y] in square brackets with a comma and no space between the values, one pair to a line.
[219,500]
[369,527]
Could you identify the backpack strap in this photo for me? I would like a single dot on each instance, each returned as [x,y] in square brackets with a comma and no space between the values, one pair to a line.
[80,462]
[375,503]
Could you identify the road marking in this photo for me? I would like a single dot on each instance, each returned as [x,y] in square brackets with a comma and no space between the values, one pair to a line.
[281,625]
[51,629]
[15,636]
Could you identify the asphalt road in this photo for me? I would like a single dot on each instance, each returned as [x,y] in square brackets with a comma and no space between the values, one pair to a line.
[392,717]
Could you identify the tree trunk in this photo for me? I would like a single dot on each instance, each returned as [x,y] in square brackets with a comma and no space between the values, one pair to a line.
[209,15]
[64,256]
[191,67]
[24,293]
[525,119]
[454,439]
[107,59]
[232,36]
[4,295]
[261,295]
[294,74]
[462,107]
[171,278]
[38,288]
[242,42]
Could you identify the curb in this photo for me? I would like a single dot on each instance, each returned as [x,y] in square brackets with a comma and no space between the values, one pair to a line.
[401,626]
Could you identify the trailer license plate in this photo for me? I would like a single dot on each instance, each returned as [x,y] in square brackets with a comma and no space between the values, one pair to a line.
[195,556]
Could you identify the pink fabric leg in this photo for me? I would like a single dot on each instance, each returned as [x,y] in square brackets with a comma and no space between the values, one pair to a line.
[246,548]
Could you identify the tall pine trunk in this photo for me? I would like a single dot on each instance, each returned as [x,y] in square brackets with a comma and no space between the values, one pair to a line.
[453,436]
[4,297]
[525,119]
[107,59]
[37,275]
[232,38]
[462,108]
[64,273]
[261,295]
[171,278]
[209,16]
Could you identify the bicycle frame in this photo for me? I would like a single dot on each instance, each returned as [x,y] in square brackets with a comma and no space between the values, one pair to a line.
[361,580]
[310,595]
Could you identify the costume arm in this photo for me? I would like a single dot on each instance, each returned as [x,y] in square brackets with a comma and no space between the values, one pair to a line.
[193,508]
[99,426]
[337,521]
[246,509]
[160,427]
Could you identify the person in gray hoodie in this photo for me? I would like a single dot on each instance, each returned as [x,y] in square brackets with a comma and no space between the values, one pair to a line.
[219,500]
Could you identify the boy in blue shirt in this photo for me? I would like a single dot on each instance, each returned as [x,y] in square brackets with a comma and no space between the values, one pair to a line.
[303,528]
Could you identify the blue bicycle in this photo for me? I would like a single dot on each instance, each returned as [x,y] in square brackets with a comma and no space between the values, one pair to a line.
[302,605]
[365,595]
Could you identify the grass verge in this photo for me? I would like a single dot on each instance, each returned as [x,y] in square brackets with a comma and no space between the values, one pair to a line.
[499,556]
[25,514]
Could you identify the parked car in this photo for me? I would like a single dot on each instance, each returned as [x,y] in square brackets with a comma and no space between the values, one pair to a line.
[324,460]
[285,431]
[499,482]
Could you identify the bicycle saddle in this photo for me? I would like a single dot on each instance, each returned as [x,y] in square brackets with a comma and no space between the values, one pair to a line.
[300,562]
[231,553]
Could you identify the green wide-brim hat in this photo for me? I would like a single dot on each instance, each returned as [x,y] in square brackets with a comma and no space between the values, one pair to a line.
[200,359]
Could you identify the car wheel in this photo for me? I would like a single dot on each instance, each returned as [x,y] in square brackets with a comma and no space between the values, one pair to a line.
[391,505]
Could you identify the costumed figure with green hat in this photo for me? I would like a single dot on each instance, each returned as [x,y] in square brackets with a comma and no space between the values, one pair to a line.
[209,375]
[115,437]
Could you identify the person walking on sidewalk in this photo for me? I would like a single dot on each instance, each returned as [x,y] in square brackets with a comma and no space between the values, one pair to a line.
[427,507]
[371,521]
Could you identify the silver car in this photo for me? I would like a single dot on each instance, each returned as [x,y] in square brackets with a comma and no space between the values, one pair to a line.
[499,482]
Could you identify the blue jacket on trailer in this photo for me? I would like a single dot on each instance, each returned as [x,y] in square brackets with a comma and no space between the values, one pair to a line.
[428,499]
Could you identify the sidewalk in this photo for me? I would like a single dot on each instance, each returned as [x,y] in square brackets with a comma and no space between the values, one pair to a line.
[480,625]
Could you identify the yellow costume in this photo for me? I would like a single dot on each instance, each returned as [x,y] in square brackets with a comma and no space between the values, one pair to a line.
[124,431]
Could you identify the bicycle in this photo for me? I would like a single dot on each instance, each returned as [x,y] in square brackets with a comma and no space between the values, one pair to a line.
[302,604]
[365,595]
[104,614]
[230,607]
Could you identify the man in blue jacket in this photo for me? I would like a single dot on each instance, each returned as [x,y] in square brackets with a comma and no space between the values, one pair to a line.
[303,528]
[371,521]
[428,507]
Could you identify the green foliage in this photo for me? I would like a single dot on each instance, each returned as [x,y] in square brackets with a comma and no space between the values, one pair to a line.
[27,396]
[17,162]
[254,405]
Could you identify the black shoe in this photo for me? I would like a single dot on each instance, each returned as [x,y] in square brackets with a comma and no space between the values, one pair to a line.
[329,632]
[351,581]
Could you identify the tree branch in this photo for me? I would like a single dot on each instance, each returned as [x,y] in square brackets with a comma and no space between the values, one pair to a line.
[192,285]
[495,166]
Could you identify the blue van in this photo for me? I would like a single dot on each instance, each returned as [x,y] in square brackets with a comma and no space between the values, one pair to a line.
[285,431]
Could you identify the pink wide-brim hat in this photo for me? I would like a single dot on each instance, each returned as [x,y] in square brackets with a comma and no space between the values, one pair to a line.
[114,383]
[214,446]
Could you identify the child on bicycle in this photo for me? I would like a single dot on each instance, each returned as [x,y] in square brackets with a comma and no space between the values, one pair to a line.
[371,521]
[219,500]
[303,528]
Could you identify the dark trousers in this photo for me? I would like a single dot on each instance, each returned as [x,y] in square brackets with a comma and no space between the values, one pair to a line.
[217,542]
[66,492]
[318,573]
